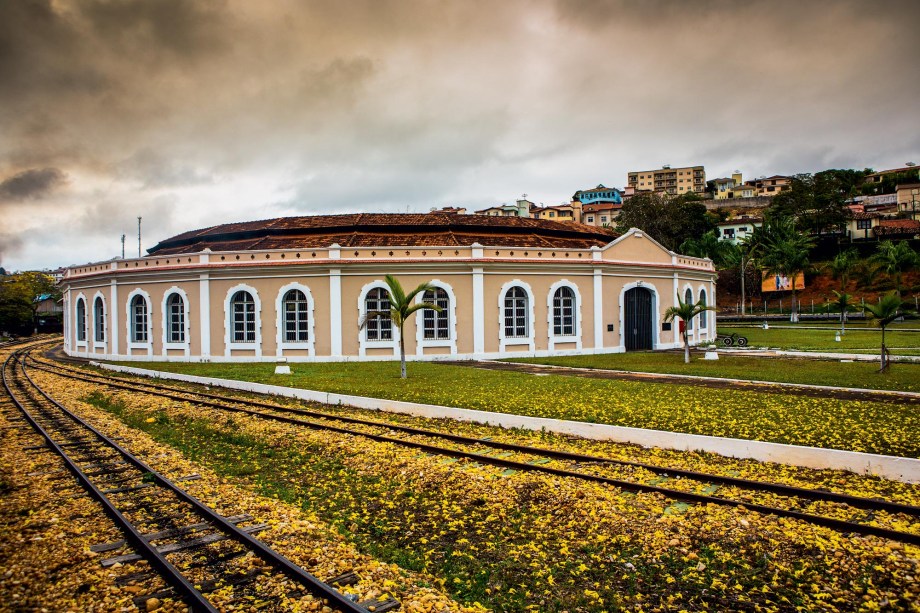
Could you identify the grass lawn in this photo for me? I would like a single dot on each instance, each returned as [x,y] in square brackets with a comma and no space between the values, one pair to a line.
[856,339]
[903,377]
[876,427]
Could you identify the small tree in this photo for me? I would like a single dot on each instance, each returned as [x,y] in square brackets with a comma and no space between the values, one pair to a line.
[895,259]
[841,267]
[401,309]
[889,308]
[843,302]
[686,311]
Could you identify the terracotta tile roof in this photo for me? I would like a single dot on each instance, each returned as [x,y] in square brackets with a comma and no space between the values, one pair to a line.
[366,229]
[898,226]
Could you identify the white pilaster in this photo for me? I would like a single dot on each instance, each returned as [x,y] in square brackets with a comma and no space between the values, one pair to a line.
[479,313]
[204,313]
[335,311]
[113,318]
[598,309]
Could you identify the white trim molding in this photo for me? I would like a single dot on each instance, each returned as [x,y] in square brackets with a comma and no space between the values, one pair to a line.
[228,322]
[167,345]
[204,314]
[656,316]
[576,314]
[451,341]
[363,343]
[335,312]
[503,342]
[130,343]
[282,344]
[103,344]
[479,313]
[598,305]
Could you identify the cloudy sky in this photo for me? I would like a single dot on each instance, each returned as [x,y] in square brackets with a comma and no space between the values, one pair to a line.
[197,112]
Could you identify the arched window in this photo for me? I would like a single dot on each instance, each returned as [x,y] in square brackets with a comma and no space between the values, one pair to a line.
[81,320]
[688,299]
[175,319]
[564,312]
[243,317]
[138,319]
[515,315]
[296,316]
[703,303]
[378,328]
[436,325]
[99,319]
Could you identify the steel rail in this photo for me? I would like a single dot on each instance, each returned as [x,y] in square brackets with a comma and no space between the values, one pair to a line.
[827,522]
[313,584]
[170,573]
[747,484]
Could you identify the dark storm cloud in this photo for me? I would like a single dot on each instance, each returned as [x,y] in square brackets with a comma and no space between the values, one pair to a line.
[194,112]
[31,184]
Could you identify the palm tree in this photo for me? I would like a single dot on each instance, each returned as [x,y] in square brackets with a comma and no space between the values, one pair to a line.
[843,302]
[686,311]
[401,309]
[896,258]
[739,256]
[784,251]
[842,266]
[889,308]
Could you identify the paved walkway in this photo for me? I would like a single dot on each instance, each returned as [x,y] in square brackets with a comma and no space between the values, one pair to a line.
[814,391]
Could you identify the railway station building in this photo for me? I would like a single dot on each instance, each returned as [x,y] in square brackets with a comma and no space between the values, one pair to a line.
[299,287]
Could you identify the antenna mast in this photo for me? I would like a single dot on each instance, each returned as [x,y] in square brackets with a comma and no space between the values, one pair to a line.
[138,237]
[122,246]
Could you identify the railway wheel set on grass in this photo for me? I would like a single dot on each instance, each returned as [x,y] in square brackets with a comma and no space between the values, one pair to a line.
[499,523]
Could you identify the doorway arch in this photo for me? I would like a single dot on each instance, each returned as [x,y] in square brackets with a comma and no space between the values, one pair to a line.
[638,333]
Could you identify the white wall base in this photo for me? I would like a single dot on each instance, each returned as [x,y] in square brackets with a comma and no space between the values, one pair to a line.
[889,467]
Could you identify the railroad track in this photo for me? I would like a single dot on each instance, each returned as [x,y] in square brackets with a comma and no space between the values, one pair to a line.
[841,512]
[192,551]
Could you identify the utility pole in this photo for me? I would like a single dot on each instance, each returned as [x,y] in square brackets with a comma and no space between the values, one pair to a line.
[122,246]
[138,237]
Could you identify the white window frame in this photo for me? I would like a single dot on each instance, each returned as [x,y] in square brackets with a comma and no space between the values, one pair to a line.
[451,341]
[280,342]
[363,343]
[518,341]
[691,325]
[103,344]
[703,328]
[76,323]
[229,344]
[129,322]
[576,314]
[167,344]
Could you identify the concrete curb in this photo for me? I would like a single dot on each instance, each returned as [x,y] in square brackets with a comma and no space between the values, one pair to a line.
[821,355]
[889,467]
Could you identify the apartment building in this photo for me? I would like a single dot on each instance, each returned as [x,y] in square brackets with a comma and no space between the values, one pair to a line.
[732,187]
[770,186]
[669,180]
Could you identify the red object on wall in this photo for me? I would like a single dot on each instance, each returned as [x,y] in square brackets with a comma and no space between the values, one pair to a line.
[681,326]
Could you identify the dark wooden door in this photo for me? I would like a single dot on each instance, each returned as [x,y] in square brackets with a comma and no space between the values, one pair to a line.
[638,319]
